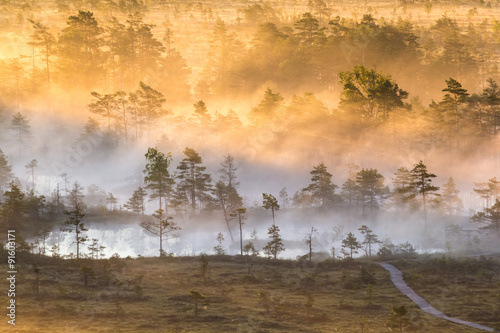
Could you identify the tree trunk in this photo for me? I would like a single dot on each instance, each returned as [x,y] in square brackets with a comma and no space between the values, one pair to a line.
[77,243]
[241,237]
[310,249]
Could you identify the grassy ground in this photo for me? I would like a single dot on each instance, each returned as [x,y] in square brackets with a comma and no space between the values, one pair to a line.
[465,288]
[152,295]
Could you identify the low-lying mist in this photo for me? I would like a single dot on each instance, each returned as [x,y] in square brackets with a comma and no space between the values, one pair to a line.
[355,86]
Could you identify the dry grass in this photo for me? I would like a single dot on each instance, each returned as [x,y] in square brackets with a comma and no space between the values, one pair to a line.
[152,295]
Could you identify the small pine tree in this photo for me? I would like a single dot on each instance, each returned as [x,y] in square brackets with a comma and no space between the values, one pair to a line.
[162,226]
[399,314]
[75,216]
[275,245]
[136,202]
[219,249]
[270,202]
[112,201]
[196,296]
[350,243]
[370,239]
[250,247]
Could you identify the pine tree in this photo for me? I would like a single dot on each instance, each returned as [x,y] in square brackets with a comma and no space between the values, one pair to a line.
[239,214]
[452,101]
[275,246]
[370,239]
[35,206]
[13,207]
[370,188]
[225,191]
[422,181]
[349,194]
[74,222]
[80,50]
[308,27]
[490,217]
[270,202]
[5,171]
[31,169]
[201,115]
[179,201]
[121,110]
[322,189]
[488,191]
[267,109]
[157,176]
[161,226]
[20,125]
[284,197]
[197,297]
[149,104]
[147,48]
[44,40]
[370,95]
[136,202]
[95,249]
[193,179]
[449,201]
[103,105]
[351,243]
[250,247]
[219,249]
[404,192]
[112,201]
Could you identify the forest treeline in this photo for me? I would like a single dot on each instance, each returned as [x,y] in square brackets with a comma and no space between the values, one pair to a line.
[311,87]
[112,46]
[375,68]
[189,190]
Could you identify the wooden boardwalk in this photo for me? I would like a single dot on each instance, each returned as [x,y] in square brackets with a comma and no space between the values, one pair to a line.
[397,279]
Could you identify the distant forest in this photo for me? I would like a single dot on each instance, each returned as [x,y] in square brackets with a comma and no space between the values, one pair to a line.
[384,92]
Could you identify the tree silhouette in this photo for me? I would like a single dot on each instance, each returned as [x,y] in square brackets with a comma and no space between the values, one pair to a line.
[370,188]
[157,176]
[80,49]
[43,39]
[322,189]
[422,181]
[239,214]
[31,168]
[13,207]
[351,243]
[270,202]
[162,226]
[309,241]
[5,171]
[74,222]
[20,125]
[370,239]
[197,297]
[490,217]
[275,246]
[193,179]
[103,105]
[449,200]
[136,202]
[371,95]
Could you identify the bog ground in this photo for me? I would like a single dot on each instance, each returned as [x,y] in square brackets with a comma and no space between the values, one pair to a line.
[249,294]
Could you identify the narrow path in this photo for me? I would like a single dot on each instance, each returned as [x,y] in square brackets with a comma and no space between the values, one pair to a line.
[397,279]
